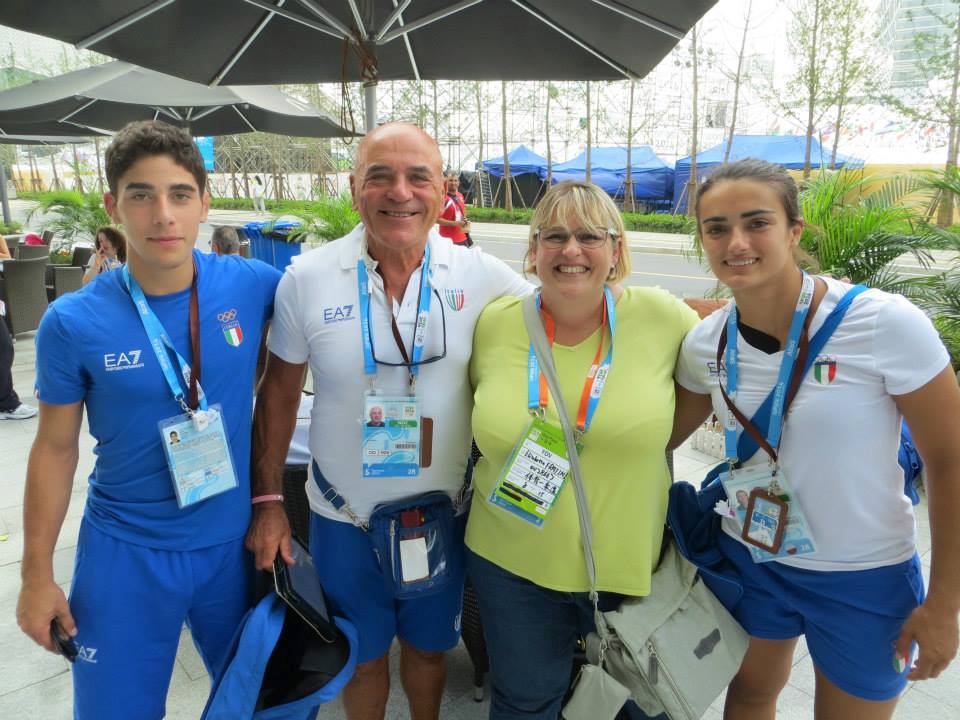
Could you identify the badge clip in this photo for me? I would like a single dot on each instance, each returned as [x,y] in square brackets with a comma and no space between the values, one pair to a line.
[201,420]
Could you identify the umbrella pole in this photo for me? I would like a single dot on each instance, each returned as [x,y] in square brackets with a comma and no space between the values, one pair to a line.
[4,200]
[370,105]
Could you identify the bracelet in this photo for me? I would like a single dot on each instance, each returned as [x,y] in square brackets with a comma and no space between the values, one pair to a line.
[266,498]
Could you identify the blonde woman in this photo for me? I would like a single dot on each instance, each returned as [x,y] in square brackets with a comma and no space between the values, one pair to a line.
[528,567]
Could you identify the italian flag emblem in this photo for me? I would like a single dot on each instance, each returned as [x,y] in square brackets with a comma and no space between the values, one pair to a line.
[825,369]
[233,334]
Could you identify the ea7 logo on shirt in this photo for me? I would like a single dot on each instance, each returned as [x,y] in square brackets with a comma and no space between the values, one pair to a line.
[129,360]
[87,654]
[716,371]
[340,313]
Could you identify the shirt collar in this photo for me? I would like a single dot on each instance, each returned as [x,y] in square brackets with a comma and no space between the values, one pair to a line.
[356,247]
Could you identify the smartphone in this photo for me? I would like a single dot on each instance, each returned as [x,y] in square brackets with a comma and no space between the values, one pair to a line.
[64,644]
[299,587]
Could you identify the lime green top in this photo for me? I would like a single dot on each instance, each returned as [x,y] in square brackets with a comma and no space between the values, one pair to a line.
[624,456]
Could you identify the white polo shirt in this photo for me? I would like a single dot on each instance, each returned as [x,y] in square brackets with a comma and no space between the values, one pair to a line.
[316,319]
[842,432]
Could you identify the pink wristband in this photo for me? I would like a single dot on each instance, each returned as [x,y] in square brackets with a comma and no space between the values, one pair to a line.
[266,498]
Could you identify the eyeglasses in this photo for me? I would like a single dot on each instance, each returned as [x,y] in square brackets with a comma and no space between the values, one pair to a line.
[435,358]
[558,237]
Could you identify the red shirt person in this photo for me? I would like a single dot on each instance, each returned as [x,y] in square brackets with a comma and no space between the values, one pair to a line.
[453,218]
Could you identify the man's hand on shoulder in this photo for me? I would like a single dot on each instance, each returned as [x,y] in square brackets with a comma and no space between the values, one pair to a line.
[269,534]
[39,603]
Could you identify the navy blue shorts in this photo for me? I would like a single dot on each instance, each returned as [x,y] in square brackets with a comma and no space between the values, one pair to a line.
[353,582]
[130,603]
[850,619]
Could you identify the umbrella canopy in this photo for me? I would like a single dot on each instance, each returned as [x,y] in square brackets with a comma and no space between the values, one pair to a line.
[111,95]
[273,41]
[43,139]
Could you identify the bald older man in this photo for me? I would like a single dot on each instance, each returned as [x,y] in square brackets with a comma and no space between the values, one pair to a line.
[385,318]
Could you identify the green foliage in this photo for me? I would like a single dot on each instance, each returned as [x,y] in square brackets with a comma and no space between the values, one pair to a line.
[660,222]
[859,236]
[328,219]
[518,216]
[70,215]
[10,228]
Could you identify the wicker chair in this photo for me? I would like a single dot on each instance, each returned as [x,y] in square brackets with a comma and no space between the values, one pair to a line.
[25,293]
[61,279]
[29,252]
[81,255]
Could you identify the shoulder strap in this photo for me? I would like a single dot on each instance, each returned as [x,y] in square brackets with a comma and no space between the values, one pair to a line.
[746,445]
[541,347]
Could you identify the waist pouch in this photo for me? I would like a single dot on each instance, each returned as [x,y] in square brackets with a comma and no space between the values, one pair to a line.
[418,544]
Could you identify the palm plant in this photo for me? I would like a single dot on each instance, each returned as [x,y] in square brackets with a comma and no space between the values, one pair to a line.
[327,219]
[858,235]
[71,216]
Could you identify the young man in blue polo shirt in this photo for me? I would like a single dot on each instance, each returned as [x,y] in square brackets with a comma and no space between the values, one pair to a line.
[166,347]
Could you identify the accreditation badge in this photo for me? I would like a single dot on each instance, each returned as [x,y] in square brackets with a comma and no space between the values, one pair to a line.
[198,455]
[532,478]
[770,520]
[391,436]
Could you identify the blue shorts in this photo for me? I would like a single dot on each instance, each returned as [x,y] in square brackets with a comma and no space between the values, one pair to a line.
[353,582]
[850,619]
[130,603]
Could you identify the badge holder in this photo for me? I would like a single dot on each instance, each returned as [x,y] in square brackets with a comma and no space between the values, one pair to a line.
[534,474]
[198,454]
[766,521]
[391,445]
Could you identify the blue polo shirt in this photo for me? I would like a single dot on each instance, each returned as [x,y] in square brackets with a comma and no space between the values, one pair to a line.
[91,347]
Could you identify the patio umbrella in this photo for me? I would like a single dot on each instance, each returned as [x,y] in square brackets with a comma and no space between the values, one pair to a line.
[30,140]
[111,95]
[259,41]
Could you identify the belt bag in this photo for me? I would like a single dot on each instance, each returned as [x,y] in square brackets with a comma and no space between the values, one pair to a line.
[417,559]
[676,649]
[417,540]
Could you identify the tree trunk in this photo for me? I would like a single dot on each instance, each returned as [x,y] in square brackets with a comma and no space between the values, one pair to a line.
[507,181]
[695,118]
[812,82]
[736,85]
[547,133]
[836,135]
[436,115]
[629,201]
[96,145]
[480,132]
[589,140]
[57,185]
[945,212]
[76,170]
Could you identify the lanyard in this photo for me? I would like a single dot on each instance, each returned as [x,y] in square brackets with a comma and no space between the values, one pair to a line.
[420,330]
[162,345]
[796,340]
[537,391]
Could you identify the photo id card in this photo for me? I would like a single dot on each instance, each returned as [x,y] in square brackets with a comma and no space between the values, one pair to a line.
[532,478]
[198,455]
[795,536]
[391,436]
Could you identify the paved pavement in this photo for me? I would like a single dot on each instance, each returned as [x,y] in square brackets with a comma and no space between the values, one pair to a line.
[36,685]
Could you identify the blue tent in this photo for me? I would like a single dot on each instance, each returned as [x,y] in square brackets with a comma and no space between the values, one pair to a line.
[522,160]
[786,150]
[652,177]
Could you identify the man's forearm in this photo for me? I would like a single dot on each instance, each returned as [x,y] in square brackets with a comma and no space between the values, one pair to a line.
[943,500]
[274,421]
[49,483]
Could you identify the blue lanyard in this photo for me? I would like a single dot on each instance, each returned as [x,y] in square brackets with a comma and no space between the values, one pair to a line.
[420,330]
[161,343]
[537,392]
[731,362]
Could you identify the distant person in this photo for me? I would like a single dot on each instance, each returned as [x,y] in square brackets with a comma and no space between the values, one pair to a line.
[225,241]
[453,218]
[259,206]
[10,406]
[111,253]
